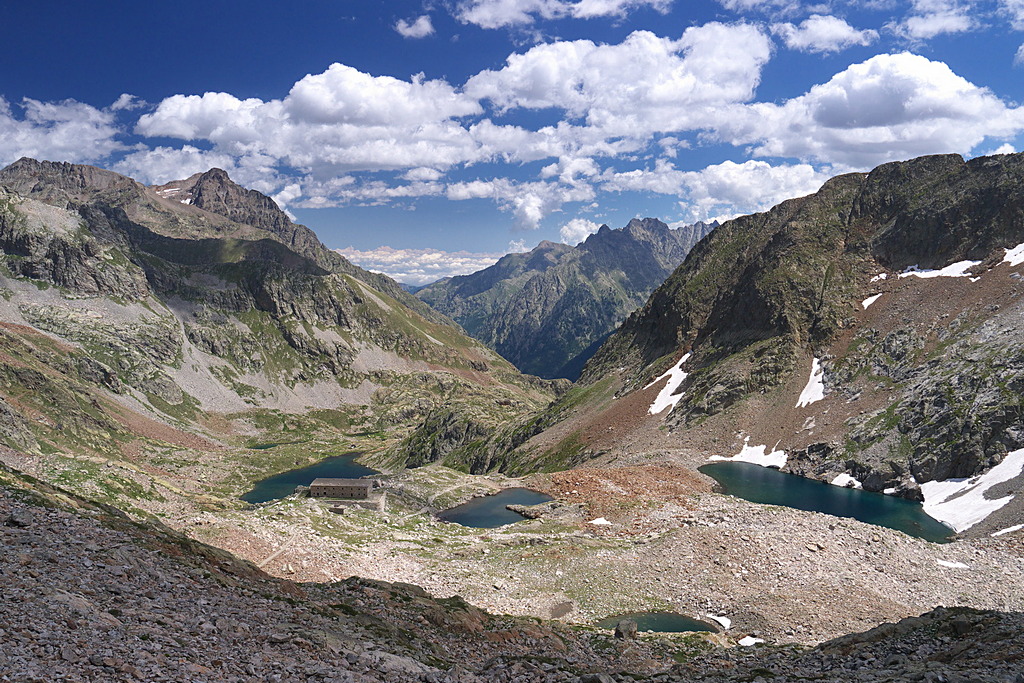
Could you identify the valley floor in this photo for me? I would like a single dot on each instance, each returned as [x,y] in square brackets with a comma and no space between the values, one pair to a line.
[775,573]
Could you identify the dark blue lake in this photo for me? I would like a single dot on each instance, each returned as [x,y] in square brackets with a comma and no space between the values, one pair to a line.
[772,487]
[489,512]
[659,622]
[281,485]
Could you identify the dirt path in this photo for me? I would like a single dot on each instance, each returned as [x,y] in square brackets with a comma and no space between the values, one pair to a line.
[274,555]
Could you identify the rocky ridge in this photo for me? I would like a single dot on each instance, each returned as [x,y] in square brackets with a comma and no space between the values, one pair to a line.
[919,377]
[547,310]
[135,326]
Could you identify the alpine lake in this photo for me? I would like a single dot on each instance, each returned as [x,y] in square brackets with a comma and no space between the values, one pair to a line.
[486,512]
[489,512]
[772,487]
[659,622]
[282,485]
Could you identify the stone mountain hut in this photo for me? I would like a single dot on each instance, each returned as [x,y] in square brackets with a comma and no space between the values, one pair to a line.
[353,489]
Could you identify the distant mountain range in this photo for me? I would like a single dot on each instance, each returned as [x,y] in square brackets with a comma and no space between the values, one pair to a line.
[549,309]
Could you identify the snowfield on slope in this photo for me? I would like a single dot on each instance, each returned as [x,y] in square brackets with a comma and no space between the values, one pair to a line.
[815,389]
[756,455]
[958,269]
[1015,256]
[870,300]
[961,503]
[667,398]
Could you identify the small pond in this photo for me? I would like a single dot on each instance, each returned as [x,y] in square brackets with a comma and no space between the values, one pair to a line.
[659,622]
[766,485]
[489,512]
[281,485]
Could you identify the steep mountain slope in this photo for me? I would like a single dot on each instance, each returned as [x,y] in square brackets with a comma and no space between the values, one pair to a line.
[905,379]
[547,310]
[132,322]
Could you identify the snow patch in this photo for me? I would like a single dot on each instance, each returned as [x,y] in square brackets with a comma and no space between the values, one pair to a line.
[888,492]
[665,398]
[756,455]
[846,481]
[1014,256]
[880,277]
[951,565]
[870,300]
[815,389]
[749,641]
[961,503]
[958,269]
[1009,529]
[600,521]
[724,622]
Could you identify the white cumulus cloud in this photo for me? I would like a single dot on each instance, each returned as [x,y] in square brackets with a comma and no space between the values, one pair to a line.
[127,102]
[419,266]
[58,131]
[335,121]
[767,6]
[502,13]
[930,18]
[577,230]
[821,33]
[1014,11]
[724,190]
[163,164]
[528,202]
[644,84]
[420,27]
[892,106]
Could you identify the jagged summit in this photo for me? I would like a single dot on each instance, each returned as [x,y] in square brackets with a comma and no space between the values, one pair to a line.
[214,191]
[546,309]
[54,181]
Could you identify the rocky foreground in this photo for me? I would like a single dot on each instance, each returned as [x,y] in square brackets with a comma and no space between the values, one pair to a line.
[89,595]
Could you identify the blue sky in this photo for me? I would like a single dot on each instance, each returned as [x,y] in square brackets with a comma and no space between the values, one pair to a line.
[430,136]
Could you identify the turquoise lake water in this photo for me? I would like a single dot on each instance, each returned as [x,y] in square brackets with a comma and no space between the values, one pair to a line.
[770,486]
[489,512]
[281,485]
[659,622]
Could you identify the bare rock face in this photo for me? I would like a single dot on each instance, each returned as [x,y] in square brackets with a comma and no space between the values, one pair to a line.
[69,256]
[64,184]
[626,630]
[215,192]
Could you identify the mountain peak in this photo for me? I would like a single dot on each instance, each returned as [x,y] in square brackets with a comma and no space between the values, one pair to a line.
[53,180]
[216,173]
[214,191]
[546,310]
